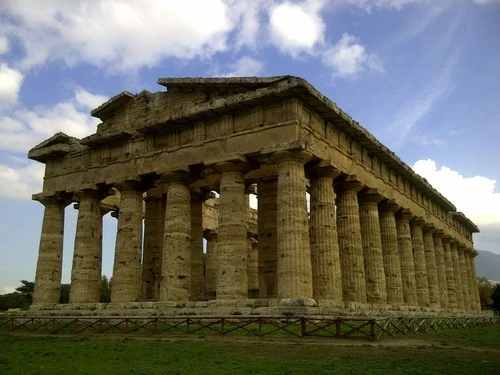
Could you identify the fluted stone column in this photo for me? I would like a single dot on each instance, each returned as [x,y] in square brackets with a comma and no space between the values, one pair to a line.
[211,264]
[463,277]
[450,276]
[232,277]
[154,225]
[49,266]
[441,268]
[376,292]
[294,268]
[421,280]
[197,246]
[456,274]
[403,218]
[126,284]
[350,244]
[87,255]
[475,301]
[392,267]
[177,241]
[325,257]
[430,262]
[252,267]
[267,221]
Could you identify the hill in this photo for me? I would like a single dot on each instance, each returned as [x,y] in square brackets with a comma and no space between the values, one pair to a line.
[488,264]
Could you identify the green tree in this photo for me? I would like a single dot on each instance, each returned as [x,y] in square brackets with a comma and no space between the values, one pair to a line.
[105,289]
[485,293]
[495,296]
[64,293]
[26,289]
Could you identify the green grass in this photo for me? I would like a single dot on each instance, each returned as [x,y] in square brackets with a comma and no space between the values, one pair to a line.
[467,351]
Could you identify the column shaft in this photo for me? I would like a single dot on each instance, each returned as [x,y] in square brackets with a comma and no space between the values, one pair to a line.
[232,278]
[87,255]
[474,282]
[392,267]
[406,257]
[267,221]
[430,262]
[252,267]
[49,265]
[197,247]
[450,277]
[126,282]
[177,241]
[376,292]
[211,264]
[421,280]
[350,244]
[456,275]
[294,268]
[463,277]
[325,257]
[441,269]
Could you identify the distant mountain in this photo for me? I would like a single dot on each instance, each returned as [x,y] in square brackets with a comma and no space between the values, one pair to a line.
[488,264]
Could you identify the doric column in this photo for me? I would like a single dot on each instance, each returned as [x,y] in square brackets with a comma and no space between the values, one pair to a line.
[441,268]
[421,280]
[177,240]
[211,264]
[473,289]
[450,277]
[197,246]
[267,221]
[463,276]
[456,274]
[87,255]
[325,258]
[49,266]
[252,267]
[392,267]
[294,268]
[430,262]
[232,278]
[154,225]
[126,284]
[403,218]
[350,244]
[376,292]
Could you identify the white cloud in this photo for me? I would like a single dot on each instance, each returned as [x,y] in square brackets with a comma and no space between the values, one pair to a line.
[474,196]
[296,28]
[486,1]
[246,66]
[8,289]
[4,45]
[348,57]
[21,181]
[10,85]
[368,5]
[26,128]
[117,35]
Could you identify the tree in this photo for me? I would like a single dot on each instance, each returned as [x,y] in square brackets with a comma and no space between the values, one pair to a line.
[64,293]
[105,289]
[495,296]
[485,293]
[26,289]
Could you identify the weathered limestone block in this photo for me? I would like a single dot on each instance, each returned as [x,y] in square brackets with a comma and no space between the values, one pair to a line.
[463,277]
[403,218]
[421,280]
[196,284]
[325,257]
[392,267]
[87,255]
[456,275]
[350,244]
[294,268]
[232,277]
[450,274]
[126,284]
[49,266]
[211,264]
[430,262]
[177,240]
[252,267]
[441,268]
[376,292]
[154,225]
[267,221]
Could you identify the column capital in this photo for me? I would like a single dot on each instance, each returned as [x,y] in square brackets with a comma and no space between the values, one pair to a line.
[176,177]
[447,238]
[57,198]
[349,183]
[296,156]
[370,196]
[129,185]
[389,205]
[232,166]
[324,168]
[404,214]
[418,220]
[439,234]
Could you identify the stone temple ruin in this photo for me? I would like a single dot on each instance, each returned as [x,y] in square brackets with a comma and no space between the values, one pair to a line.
[376,238]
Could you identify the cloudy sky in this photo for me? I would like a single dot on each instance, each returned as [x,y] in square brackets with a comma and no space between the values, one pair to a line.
[423,76]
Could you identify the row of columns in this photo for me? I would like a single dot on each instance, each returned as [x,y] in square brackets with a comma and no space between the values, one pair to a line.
[355,249]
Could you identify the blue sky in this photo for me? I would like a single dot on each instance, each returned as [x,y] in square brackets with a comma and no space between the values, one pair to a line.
[422,76]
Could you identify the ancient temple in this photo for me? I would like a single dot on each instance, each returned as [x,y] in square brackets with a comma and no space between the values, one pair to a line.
[341,223]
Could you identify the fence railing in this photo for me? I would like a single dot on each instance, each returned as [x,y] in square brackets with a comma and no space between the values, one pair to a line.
[338,327]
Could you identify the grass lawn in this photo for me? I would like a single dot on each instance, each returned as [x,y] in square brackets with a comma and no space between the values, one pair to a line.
[467,351]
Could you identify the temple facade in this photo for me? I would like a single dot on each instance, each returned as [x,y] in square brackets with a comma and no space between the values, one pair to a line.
[340,223]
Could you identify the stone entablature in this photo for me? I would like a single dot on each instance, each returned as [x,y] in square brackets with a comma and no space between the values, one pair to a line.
[225,135]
